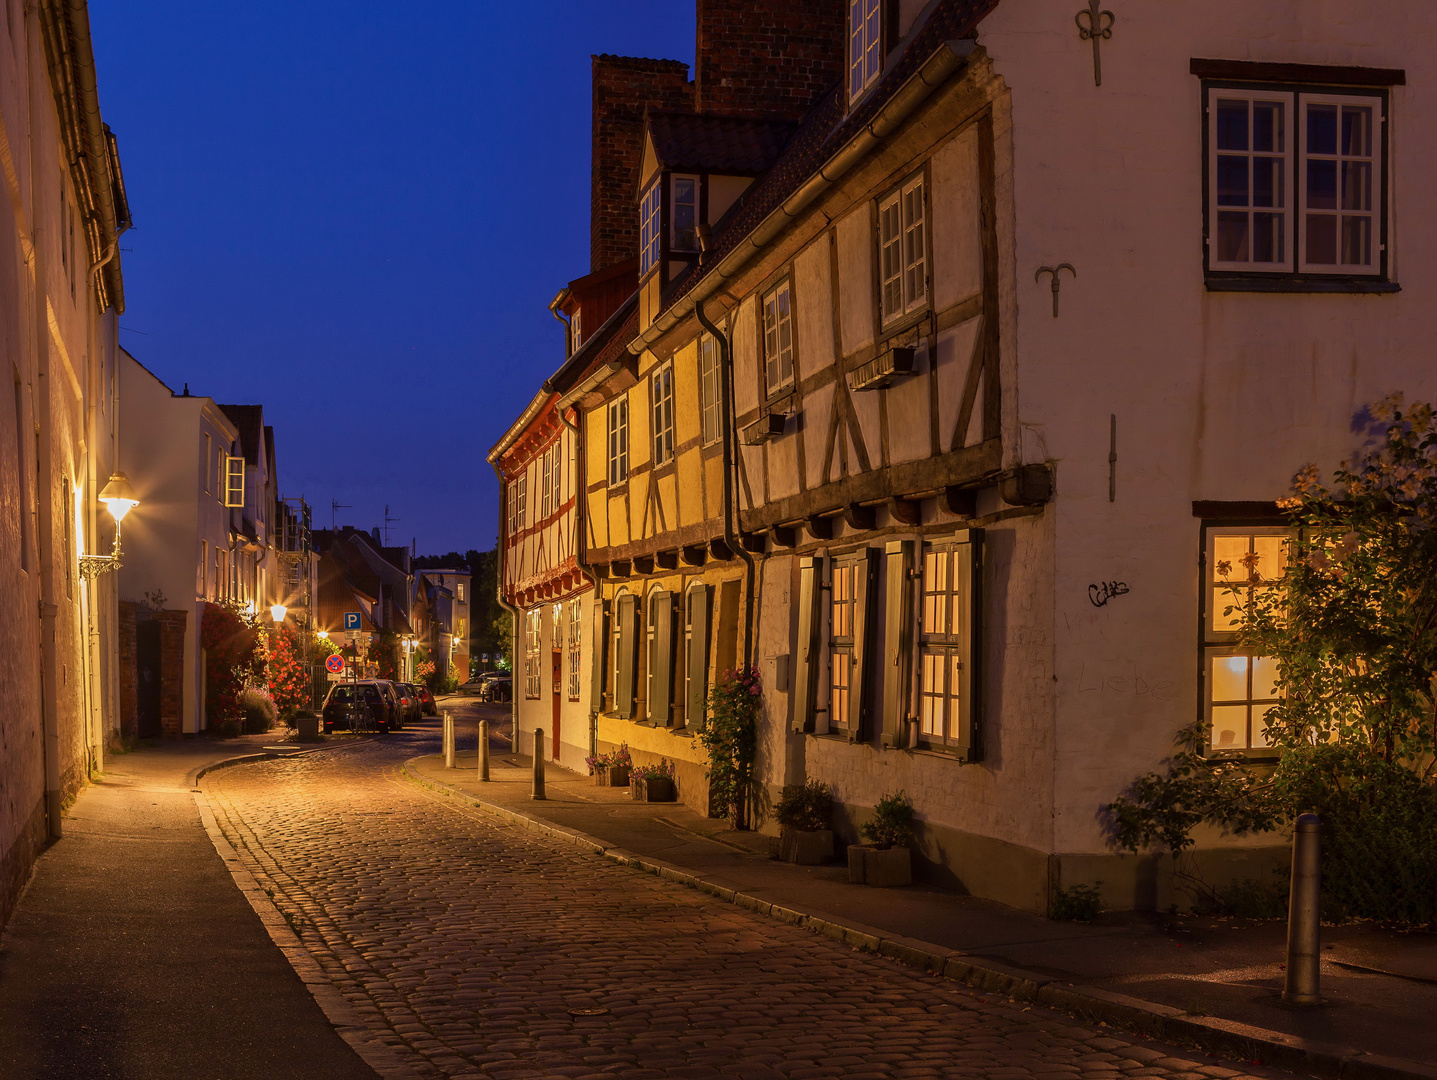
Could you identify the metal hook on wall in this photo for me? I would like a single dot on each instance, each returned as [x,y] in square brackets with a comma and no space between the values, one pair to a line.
[1097,28]
[1054,271]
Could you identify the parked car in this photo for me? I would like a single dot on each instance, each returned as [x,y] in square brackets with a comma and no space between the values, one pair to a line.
[390,690]
[426,701]
[408,706]
[416,706]
[498,688]
[476,684]
[347,702]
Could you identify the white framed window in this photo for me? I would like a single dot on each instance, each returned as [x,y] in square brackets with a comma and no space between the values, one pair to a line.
[576,631]
[1238,686]
[618,441]
[649,229]
[546,487]
[948,645]
[209,461]
[661,392]
[234,481]
[684,213]
[556,476]
[778,337]
[710,397]
[865,45]
[903,249]
[557,613]
[460,587]
[512,493]
[1295,181]
[576,330]
[533,640]
[521,503]
[842,614]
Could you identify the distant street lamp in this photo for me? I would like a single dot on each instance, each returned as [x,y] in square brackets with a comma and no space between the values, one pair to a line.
[276,612]
[119,499]
[323,635]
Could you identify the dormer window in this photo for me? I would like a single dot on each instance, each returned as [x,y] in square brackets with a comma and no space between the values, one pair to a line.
[649,228]
[865,45]
[576,334]
[685,213]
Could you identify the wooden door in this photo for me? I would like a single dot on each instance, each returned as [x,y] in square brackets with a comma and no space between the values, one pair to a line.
[557,684]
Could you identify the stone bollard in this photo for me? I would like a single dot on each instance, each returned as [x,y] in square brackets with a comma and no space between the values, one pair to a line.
[538,791]
[448,741]
[1304,915]
[483,749]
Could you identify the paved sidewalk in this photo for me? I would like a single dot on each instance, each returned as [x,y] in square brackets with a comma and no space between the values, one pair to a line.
[1215,980]
[133,955]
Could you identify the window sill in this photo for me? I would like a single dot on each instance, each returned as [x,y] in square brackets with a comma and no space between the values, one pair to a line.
[838,736]
[901,324]
[1219,282]
[1242,757]
[946,753]
[781,400]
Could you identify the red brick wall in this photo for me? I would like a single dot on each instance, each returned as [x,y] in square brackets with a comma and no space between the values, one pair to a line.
[624,86]
[129,672]
[172,670]
[765,59]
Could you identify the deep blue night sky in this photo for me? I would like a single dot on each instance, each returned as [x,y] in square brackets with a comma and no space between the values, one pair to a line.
[355,214]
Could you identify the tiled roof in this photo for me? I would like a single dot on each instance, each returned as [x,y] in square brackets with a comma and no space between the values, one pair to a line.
[699,141]
[827,127]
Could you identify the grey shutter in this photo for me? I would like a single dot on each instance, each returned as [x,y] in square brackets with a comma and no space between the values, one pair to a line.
[805,652]
[698,658]
[968,577]
[897,639]
[600,654]
[626,641]
[864,581]
[661,684]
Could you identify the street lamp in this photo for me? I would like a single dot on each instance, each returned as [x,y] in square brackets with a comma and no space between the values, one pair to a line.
[323,635]
[119,499]
[276,612]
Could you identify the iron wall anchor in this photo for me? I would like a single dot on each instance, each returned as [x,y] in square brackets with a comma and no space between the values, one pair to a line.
[1054,271]
[1097,28]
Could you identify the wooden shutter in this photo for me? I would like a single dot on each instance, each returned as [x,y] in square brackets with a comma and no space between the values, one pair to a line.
[897,639]
[698,658]
[600,650]
[805,651]
[662,680]
[626,642]
[865,582]
[968,613]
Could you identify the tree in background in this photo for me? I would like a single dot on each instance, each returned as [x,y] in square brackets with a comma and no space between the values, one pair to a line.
[483,567]
[384,654]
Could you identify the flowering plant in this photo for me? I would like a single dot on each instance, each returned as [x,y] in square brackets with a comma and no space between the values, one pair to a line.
[613,759]
[663,770]
[731,739]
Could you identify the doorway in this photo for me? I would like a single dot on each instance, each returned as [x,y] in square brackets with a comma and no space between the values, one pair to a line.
[556,684]
[147,677]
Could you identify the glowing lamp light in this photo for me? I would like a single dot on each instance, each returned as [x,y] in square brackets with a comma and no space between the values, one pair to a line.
[276,612]
[323,635]
[118,496]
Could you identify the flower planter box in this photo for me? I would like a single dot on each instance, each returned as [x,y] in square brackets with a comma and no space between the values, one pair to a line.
[308,728]
[805,848]
[885,868]
[611,776]
[654,789]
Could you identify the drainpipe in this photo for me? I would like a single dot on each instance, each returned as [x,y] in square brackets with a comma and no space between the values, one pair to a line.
[730,508]
[514,617]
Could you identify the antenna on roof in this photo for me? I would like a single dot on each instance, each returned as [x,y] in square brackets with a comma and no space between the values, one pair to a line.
[335,506]
[387,522]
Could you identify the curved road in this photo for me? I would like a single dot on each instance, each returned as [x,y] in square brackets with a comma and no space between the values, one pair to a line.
[479,949]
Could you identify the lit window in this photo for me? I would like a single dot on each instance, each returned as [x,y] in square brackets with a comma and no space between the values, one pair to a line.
[662,392]
[649,229]
[1273,150]
[618,441]
[842,608]
[1239,688]
[778,337]
[711,419]
[947,652]
[865,44]
[533,639]
[685,213]
[521,488]
[546,486]
[234,481]
[902,245]
[575,637]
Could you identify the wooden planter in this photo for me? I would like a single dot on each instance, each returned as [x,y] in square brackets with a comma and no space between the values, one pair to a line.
[308,727]
[805,848]
[654,789]
[611,776]
[886,868]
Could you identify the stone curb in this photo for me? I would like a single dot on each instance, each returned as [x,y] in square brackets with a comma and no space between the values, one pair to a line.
[193,776]
[1227,1038]
[387,1062]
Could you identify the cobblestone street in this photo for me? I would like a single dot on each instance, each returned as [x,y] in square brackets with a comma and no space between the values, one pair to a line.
[479,949]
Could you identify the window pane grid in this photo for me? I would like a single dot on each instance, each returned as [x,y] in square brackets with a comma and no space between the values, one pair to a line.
[778,338]
[618,441]
[943,622]
[1339,174]
[649,229]
[865,44]
[685,213]
[663,398]
[709,390]
[903,250]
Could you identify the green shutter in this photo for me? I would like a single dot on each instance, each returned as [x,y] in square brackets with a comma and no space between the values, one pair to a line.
[698,658]
[600,654]
[864,583]
[662,677]
[625,642]
[805,652]
[968,579]
[897,639]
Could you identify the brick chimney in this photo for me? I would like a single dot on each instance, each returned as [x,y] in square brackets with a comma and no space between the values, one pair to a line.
[763,58]
[624,86]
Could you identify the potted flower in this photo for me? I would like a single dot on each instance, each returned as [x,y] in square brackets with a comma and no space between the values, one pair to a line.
[886,859]
[306,722]
[805,820]
[653,783]
[611,769]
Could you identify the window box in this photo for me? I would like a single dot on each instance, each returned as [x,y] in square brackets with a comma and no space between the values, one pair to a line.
[653,789]
[883,370]
[765,428]
[611,776]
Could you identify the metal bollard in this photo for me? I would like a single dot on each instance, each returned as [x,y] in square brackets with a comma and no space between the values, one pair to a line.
[483,749]
[448,741]
[538,791]
[1304,917]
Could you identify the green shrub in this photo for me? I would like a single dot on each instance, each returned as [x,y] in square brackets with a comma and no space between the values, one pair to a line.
[807,807]
[259,710]
[892,824]
[731,739]
[1080,903]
